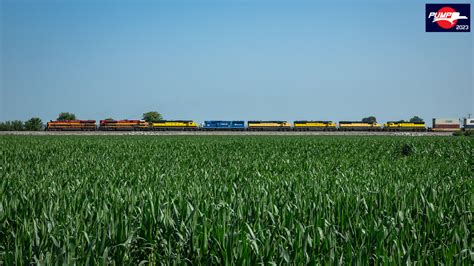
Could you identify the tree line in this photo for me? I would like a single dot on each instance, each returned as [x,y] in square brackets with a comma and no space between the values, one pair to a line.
[34,124]
[151,116]
[373,119]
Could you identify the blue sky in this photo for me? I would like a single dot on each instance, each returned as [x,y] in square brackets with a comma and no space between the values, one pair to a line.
[285,60]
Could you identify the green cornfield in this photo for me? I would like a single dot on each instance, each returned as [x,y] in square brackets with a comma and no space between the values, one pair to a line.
[236,200]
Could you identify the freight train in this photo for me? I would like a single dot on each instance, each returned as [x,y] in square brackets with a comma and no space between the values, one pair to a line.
[439,124]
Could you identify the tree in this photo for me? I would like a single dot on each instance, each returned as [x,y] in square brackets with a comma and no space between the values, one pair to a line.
[34,124]
[3,126]
[66,116]
[152,116]
[16,125]
[370,119]
[416,119]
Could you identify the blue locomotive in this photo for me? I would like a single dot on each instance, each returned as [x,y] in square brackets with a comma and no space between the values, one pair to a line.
[223,125]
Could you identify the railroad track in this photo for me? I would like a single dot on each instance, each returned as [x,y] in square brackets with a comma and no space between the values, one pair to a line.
[222,133]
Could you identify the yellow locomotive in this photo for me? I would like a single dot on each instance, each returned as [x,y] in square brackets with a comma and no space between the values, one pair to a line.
[314,125]
[174,125]
[359,126]
[268,125]
[404,126]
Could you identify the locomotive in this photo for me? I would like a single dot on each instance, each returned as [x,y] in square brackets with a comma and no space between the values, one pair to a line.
[122,125]
[314,126]
[213,125]
[268,126]
[71,125]
[173,125]
[404,126]
[359,126]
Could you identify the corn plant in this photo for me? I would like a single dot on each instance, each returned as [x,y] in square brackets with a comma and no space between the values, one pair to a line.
[236,200]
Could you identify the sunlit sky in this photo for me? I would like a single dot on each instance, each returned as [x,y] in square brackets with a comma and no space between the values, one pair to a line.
[245,60]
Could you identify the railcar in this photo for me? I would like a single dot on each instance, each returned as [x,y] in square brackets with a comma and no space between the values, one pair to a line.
[446,124]
[468,123]
[359,126]
[174,125]
[212,125]
[123,125]
[71,125]
[404,126]
[314,126]
[268,126]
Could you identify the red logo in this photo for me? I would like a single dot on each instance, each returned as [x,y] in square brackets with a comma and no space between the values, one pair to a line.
[446,17]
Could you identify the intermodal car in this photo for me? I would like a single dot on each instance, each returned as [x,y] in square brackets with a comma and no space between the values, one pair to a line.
[174,125]
[404,126]
[268,126]
[446,124]
[214,125]
[468,123]
[71,125]
[359,126]
[303,125]
[123,125]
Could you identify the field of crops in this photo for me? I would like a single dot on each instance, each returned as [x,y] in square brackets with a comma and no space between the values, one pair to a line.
[236,199]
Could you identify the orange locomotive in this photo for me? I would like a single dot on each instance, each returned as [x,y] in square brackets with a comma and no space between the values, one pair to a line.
[71,125]
[110,124]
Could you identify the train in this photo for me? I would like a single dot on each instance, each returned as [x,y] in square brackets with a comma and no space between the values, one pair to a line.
[439,124]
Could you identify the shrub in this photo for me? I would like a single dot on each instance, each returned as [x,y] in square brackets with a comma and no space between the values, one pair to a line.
[469,132]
